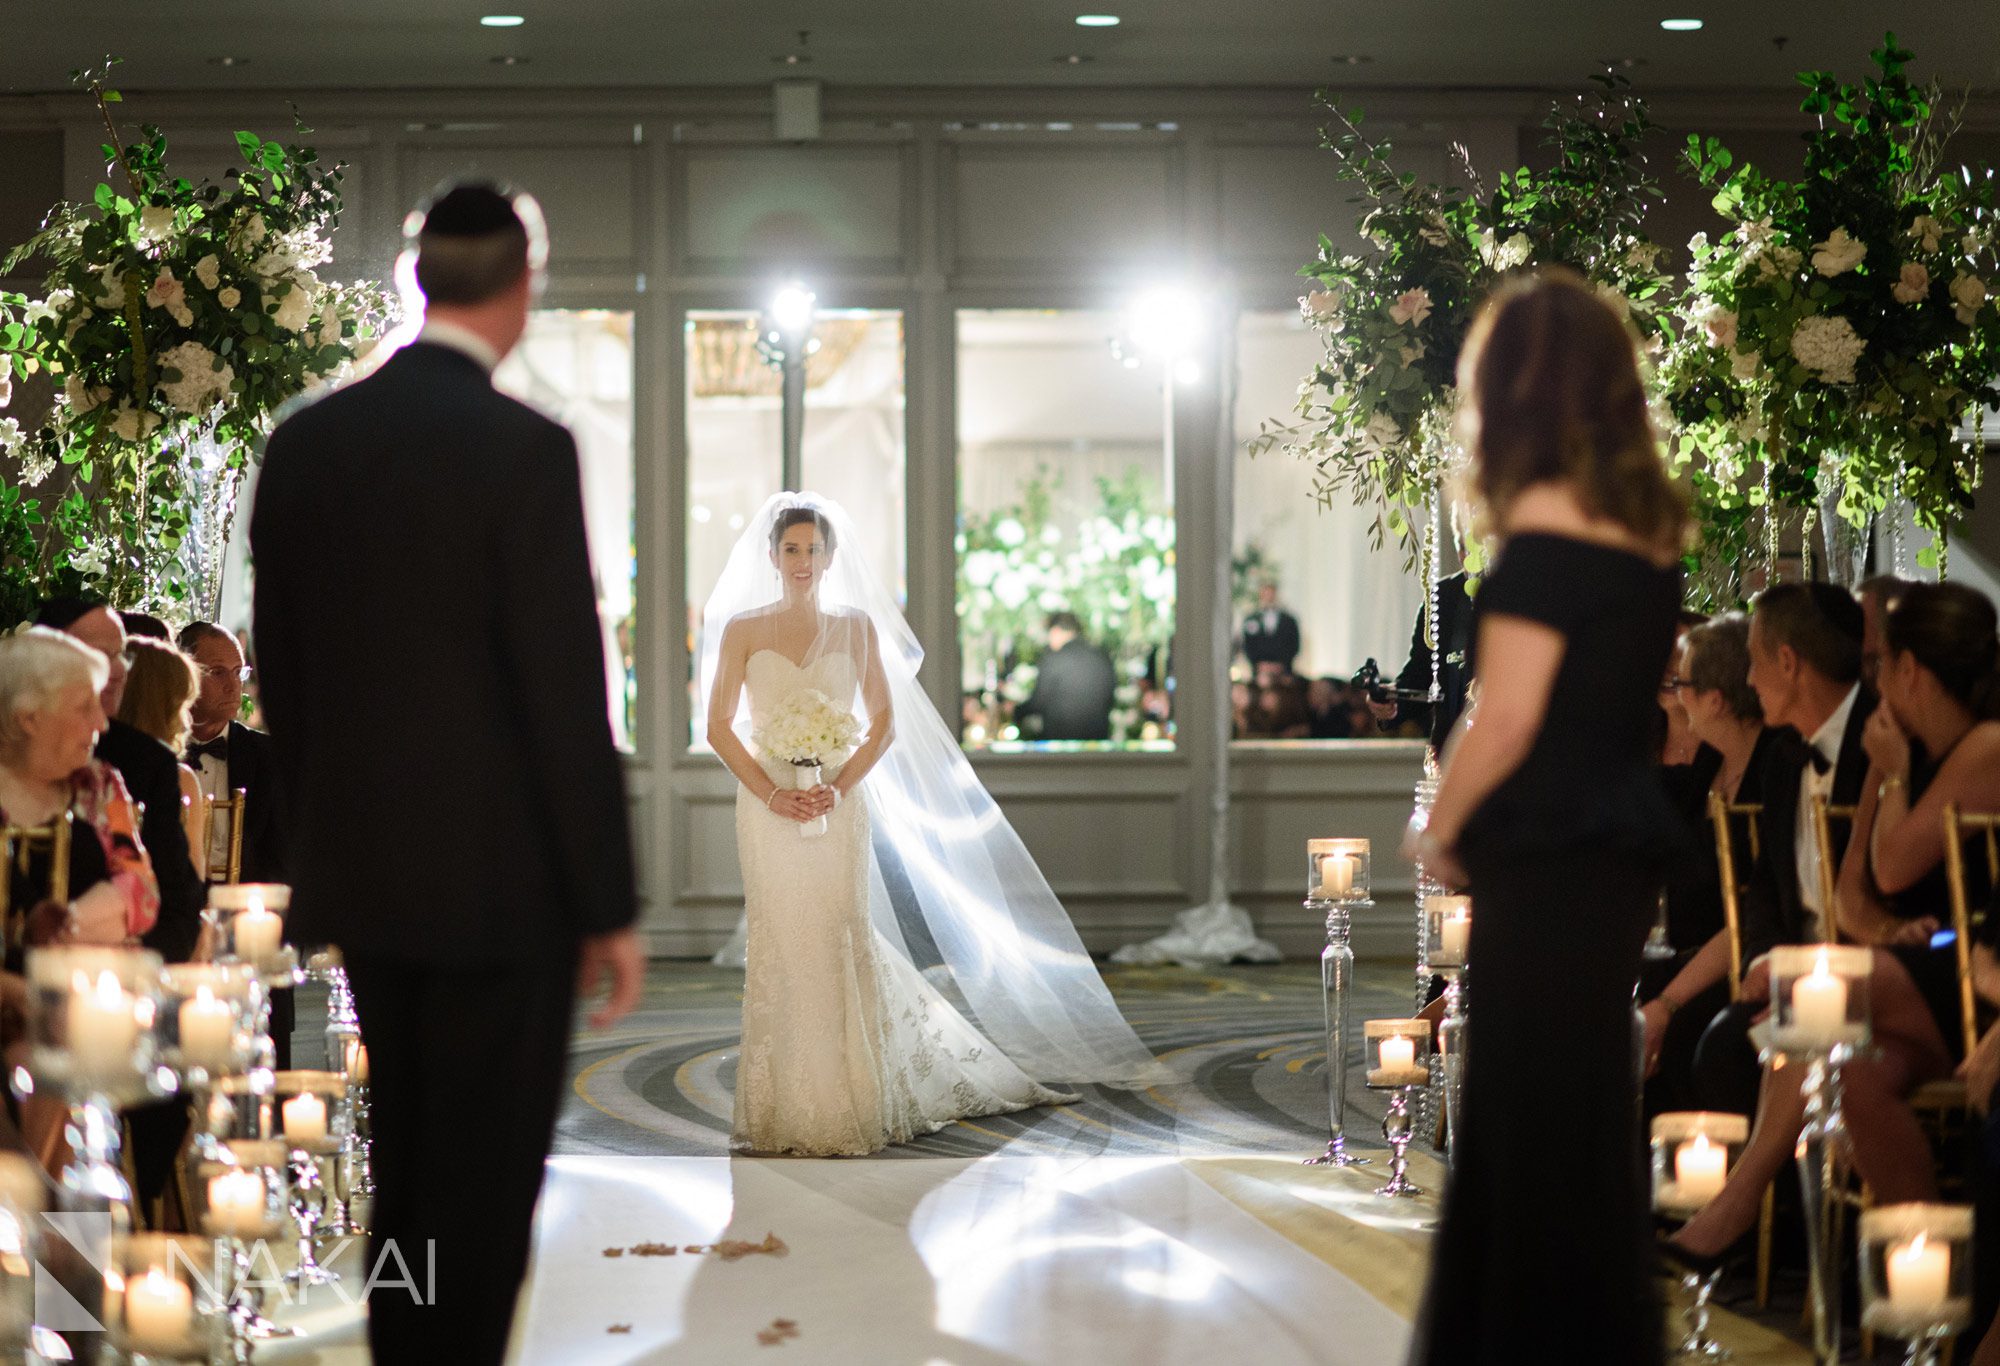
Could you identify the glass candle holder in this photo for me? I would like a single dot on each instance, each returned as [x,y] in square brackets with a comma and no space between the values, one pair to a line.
[23,1197]
[1337,870]
[1693,1153]
[160,1301]
[93,1017]
[1447,931]
[307,1106]
[1819,998]
[208,1019]
[241,1194]
[1398,1053]
[250,922]
[1916,1271]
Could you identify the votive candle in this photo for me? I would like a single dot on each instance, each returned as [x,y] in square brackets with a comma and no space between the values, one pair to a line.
[207,1027]
[1700,1169]
[102,1023]
[305,1118]
[159,1313]
[1919,1276]
[236,1203]
[1819,1004]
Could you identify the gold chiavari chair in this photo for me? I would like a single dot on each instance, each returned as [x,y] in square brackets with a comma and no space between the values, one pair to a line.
[18,844]
[233,806]
[1949,1095]
[1824,814]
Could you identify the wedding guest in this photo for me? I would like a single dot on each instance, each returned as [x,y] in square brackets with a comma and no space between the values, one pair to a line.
[1878,595]
[459,823]
[1075,686]
[152,777]
[1330,708]
[1281,710]
[1453,672]
[146,625]
[1677,744]
[229,755]
[1805,667]
[1711,682]
[1935,740]
[159,691]
[1549,808]
[1270,635]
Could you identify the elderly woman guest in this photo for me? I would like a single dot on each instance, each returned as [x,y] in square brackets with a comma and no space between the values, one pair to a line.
[1551,810]
[160,688]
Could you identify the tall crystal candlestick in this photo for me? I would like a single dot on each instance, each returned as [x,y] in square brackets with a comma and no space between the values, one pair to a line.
[1336,974]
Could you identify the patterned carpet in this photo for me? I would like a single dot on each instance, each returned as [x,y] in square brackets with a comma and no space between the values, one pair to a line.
[661,1083]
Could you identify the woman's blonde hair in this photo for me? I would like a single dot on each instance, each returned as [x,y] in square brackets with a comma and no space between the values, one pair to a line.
[37,666]
[1550,379]
[160,688]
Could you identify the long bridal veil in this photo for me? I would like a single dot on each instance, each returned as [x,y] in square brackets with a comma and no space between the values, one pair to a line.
[961,875]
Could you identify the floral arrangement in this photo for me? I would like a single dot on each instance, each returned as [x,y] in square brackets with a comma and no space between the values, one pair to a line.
[175,320]
[1375,417]
[1018,564]
[806,729]
[1831,346]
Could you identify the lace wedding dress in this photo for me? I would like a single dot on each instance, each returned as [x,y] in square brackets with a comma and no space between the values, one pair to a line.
[846,1047]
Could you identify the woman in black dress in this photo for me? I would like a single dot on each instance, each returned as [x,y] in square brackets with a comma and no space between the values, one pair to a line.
[1551,813]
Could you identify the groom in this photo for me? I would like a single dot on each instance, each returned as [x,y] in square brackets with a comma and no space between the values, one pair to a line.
[434,680]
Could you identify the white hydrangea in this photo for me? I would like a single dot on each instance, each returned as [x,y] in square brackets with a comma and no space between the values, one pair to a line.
[208,270]
[1828,346]
[84,398]
[1838,254]
[156,221]
[329,328]
[1778,262]
[110,288]
[293,310]
[204,380]
[1744,364]
[133,424]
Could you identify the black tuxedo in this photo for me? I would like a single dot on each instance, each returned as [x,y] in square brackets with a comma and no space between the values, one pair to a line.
[250,764]
[427,641]
[152,776]
[1074,690]
[1275,644]
[1454,672]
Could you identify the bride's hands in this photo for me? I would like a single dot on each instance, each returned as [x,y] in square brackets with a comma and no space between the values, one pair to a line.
[808,805]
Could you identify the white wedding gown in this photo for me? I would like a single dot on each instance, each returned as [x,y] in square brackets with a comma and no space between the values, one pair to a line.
[846,1048]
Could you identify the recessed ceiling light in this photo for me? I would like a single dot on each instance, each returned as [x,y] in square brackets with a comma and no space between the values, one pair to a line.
[1680,25]
[1097,20]
[1352,59]
[508,61]
[1073,59]
[229,61]
[502,20]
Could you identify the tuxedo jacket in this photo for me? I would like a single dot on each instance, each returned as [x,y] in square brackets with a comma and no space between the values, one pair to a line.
[1454,671]
[1074,689]
[433,674]
[253,767]
[1772,912]
[1280,644]
[152,775]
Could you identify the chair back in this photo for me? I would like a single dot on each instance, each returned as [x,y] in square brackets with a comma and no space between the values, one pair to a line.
[1721,811]
[1824,814]
[18,844]
[1958,826]
[232,806]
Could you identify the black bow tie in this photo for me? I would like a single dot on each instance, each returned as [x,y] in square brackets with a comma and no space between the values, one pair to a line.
[1820,763]
[216,748]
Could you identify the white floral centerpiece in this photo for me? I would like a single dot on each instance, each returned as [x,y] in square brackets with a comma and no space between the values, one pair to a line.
[175,320]
[1832,345]
[805,730]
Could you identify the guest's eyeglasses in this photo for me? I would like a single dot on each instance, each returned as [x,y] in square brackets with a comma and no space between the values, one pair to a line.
[1675,683]
[241,675]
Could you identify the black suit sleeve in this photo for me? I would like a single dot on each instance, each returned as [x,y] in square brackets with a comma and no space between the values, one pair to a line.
[174,933]
[551,650]
[1415,677]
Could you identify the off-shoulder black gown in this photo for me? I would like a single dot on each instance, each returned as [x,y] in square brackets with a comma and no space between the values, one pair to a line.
[1545,1250]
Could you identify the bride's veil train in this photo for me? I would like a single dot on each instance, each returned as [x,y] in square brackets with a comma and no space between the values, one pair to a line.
[961,873]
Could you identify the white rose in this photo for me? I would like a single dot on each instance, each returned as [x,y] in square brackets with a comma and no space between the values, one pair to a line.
[208,270]
[293,311]
[1698,244]
[166,292]
[1968,293]
[1720,324]
[82,398]
[1838,254]
[1926,232]
[1913,285]
[1322,305]
[1778,262]
[1743,364]
[133,424]
[230,296]
[1513,252]
[1412,306]
[1828,346]
[155,221]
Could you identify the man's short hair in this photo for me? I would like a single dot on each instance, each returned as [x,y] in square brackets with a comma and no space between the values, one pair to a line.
[145,626]
[195,632]
[59,614]
[1821,622]
[1886,589]
[1066,621]
[474,241]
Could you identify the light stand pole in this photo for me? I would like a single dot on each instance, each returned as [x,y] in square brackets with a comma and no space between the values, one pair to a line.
[786,342]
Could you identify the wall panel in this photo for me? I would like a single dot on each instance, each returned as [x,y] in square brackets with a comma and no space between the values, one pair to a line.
[760,208]
[1057,207]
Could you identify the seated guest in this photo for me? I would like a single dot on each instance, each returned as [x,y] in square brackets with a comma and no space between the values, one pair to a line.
[152,777]
[1712,686]
[144,625]
[1677,745]
[1877,596]
[1075,685]
[1281,708]
[1330,709]
[1934,741]
[159,692]
[1805,666]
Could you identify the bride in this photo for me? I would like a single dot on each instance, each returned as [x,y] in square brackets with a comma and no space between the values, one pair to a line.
[847,1047]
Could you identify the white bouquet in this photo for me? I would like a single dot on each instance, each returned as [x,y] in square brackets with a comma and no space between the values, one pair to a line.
[803,731]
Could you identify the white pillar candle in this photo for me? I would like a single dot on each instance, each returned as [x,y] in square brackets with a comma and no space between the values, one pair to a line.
[1819,1004]
[1336,876]
[1919,1276]
[305,1118]
[102,1024]
[258,932]
[1398,1053]
[1454,937]
[159,1313]
[206,1029]
[357,1063]
[1700,1168]
[236,1203]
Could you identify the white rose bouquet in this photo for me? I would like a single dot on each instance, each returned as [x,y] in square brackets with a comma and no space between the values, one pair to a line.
[805,730]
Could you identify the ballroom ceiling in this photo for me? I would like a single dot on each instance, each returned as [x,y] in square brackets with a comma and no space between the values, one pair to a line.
[372,44]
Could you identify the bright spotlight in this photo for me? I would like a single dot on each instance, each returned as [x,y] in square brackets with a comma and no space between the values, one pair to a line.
[1166,322]
[792,309]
